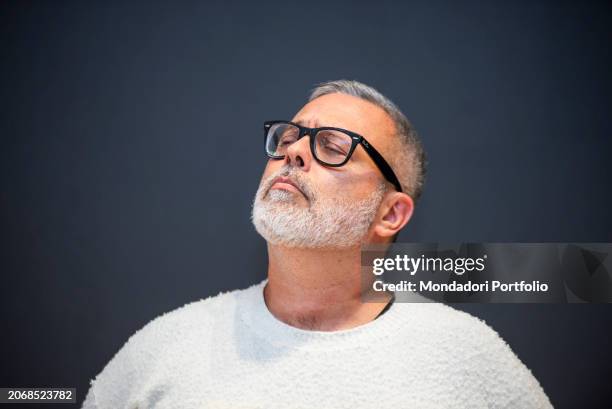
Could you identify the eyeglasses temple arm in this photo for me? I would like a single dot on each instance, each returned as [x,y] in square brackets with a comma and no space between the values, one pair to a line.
[382,164]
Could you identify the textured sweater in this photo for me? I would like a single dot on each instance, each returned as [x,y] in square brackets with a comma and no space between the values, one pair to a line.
[229,351]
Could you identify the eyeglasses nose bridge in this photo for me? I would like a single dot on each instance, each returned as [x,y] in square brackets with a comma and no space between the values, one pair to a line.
[305,131]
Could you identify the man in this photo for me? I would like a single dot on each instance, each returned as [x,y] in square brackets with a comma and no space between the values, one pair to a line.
[344,172]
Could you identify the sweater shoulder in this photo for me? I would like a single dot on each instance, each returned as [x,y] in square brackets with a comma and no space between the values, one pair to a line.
[471,344]
[197,312]
[194,316]
[150,344]
[473,332]
[450,331]
[442,319]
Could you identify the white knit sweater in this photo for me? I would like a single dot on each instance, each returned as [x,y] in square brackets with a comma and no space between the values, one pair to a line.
[229,351]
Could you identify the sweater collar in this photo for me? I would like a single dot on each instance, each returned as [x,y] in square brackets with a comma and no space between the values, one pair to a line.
[255,315]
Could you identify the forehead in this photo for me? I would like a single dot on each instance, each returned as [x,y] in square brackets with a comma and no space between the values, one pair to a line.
[348,112]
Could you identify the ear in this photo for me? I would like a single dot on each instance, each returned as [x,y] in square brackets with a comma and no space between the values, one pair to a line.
[396,212]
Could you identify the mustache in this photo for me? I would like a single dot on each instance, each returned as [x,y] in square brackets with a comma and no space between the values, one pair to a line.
[293,174]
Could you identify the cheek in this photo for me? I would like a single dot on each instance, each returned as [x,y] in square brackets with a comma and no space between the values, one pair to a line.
[358,183]
[338,184]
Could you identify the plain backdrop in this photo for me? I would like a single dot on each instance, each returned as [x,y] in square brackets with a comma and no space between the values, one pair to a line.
[132,146]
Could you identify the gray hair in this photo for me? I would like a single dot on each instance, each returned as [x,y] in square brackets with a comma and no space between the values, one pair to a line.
[410,166]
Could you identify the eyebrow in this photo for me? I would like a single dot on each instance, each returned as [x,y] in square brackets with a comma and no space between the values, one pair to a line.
[302,123]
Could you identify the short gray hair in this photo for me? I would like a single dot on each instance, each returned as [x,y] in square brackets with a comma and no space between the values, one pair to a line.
[410,166]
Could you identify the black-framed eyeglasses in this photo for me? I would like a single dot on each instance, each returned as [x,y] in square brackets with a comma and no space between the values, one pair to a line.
[330,146]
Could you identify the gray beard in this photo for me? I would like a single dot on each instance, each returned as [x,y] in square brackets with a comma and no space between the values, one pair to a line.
[331,222]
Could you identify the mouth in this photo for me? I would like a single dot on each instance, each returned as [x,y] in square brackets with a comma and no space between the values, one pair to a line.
[285,183]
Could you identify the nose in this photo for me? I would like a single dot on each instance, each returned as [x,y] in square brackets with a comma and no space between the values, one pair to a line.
[298,153]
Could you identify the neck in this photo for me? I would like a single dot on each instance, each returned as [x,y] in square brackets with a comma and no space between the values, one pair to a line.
[318,289]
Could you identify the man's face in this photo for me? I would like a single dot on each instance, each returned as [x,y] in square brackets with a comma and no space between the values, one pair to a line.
[328,206]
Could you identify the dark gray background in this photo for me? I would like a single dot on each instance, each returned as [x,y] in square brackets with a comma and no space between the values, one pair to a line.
[132,148]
